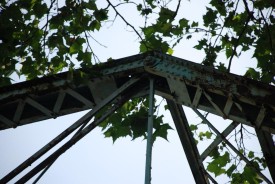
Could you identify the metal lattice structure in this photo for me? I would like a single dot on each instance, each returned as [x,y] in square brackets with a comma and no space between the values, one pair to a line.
[111,84]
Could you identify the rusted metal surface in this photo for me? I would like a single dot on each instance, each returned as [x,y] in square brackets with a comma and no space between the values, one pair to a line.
[188,143]
[83,122]
[180,81]
[227,95]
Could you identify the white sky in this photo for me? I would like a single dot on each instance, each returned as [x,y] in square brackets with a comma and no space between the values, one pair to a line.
[96,159]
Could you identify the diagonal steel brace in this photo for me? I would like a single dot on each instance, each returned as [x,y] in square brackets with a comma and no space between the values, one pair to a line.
[188,142]
[233,147]
[86,118]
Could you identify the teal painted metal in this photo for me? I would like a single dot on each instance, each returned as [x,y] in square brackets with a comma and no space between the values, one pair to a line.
[219,139]
[231,146]
[70,143]
[268,148]
[235,97]
[148,165]
[188,143]
[217,88]
[227,95]
[115,96]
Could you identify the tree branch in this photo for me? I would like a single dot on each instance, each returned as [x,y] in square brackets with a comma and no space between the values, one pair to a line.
[237,42]
[268,30]
[127,23]
[177,9]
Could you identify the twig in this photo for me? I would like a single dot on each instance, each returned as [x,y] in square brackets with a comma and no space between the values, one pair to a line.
[268,30]
[94,39]
[176,12]
[237,42]
[127,23]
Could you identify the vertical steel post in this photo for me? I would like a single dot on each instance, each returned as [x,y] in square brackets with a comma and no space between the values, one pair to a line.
[149,134]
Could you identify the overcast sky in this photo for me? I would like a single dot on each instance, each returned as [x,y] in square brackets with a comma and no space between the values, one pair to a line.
[96,159]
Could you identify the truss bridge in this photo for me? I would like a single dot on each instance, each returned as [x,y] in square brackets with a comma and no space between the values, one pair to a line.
[180,82]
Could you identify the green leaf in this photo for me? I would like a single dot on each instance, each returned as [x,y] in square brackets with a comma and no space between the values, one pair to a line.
[138,126]
[252,73]
[209,17]
[58,64]
[224,159]
[95,25]
[117,132]
[231,169]
[208,134]
[40,9]
[220,6]
[170,51]
[54,41]
[183,23]
[143,48]
[90,5]
[250,175]
[201,44]
[222,67]
[146,11]
[218,164]
[148,31]
[101,14]
[188,37]
[193,127]
[139,7]
[213,167]
[228,52]
[194,24]
[165,15]
[251,154]
[87,57]
[162,131]
[166,29]
[216,169]
[77,45]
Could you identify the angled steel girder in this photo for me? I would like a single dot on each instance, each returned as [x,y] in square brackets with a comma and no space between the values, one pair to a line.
[227,95]
[188,142]
[116,99]
[230,96]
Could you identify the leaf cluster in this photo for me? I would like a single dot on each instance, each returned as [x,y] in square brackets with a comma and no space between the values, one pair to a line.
[166,32]
[222,163]
[44,37]
[234,27]
[132,120]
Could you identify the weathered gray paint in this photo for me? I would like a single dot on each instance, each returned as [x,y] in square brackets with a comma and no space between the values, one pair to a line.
[179,81]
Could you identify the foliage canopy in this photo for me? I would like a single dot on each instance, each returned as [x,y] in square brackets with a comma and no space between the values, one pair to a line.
[45,37]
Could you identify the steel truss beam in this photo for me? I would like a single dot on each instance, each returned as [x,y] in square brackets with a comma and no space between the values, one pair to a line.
[219,139]
[49,160]
[226,95]
[150,133]
[231,146]
[268,148]
[230,96]
[179,81]
[116,97]
[188,142]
